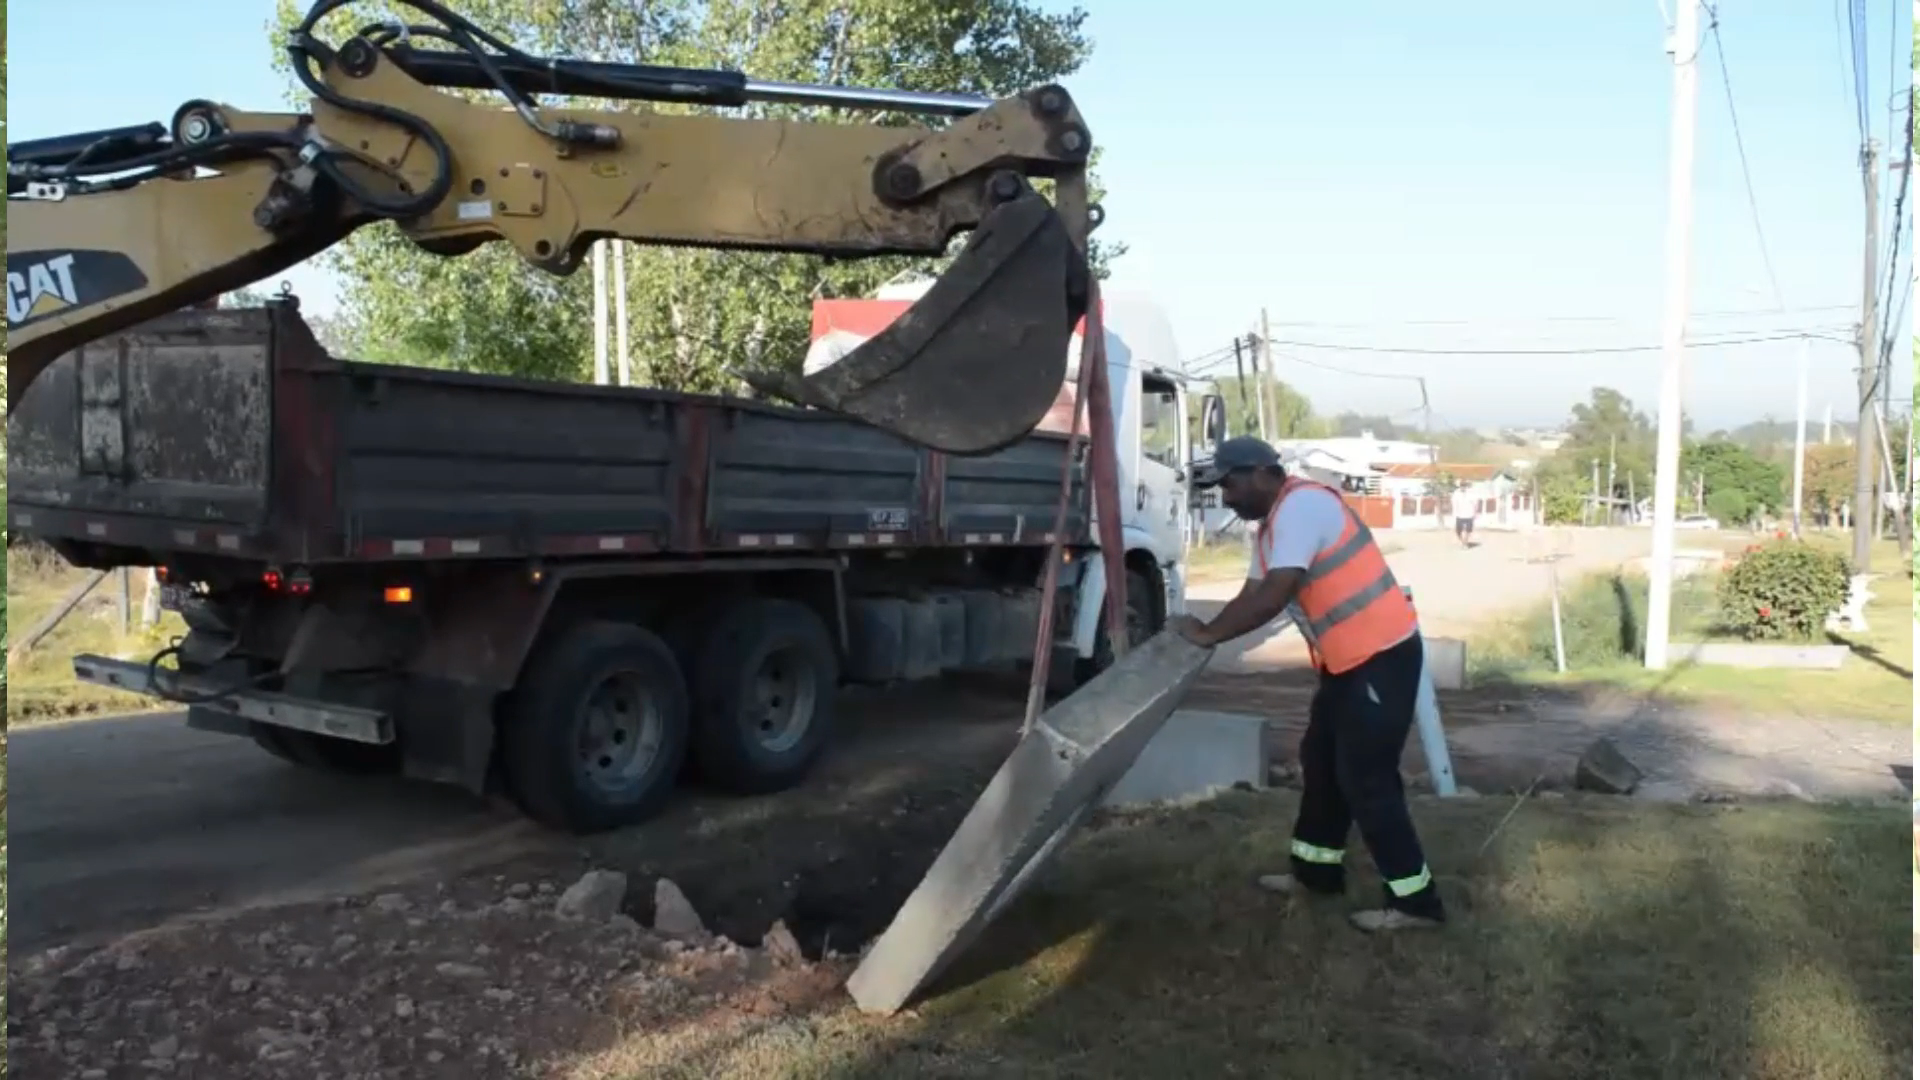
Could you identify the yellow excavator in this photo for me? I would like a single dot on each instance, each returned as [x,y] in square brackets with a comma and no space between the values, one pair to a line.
[111,228]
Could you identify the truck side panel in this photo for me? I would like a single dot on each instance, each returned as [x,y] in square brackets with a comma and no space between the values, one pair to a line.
[232,434]
[429,455]
[174,423]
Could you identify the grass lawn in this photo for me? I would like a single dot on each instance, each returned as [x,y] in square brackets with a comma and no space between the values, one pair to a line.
[1875,683]
[1594,937]
[41,686]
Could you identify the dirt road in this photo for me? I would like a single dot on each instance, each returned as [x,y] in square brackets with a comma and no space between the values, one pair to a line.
[1455,588]
[128,822]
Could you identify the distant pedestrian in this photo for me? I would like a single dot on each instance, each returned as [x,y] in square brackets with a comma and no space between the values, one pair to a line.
[1465,509]
[1314,558]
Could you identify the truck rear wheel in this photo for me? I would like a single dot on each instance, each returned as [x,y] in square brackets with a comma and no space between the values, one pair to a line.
[763,689]
[594,736]
[325,753]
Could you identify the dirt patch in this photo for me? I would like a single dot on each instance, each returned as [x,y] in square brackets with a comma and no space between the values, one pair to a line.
[472,980]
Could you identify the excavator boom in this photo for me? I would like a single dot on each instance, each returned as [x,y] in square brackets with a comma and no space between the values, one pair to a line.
[109,229]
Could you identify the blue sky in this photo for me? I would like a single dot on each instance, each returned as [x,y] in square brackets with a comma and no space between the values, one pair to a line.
[1483,175]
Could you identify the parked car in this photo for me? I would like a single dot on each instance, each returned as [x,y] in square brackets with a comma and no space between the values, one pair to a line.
[1696,521]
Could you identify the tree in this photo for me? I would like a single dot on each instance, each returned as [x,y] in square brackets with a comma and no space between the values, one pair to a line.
[1738,484]
[1606,427]
[694,314]
[1828,478]
[1289,409]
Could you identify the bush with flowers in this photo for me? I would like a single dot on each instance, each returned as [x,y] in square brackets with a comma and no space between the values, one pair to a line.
[1782,590]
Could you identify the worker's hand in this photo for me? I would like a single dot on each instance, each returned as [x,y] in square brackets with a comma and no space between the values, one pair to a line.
[1192,629]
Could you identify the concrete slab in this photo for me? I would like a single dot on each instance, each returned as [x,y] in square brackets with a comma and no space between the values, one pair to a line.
[1742,654]
[1076,753]
[1447,662]
[1196,753]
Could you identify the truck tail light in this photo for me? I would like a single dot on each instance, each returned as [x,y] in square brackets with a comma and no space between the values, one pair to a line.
[399,594]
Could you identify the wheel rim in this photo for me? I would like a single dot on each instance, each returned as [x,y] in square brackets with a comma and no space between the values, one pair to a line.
[622,733]
[779,705]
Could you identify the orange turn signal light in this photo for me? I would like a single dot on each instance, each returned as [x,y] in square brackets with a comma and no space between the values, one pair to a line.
[399,594]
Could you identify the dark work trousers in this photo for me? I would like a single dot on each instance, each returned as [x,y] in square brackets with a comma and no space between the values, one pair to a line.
[1350,773]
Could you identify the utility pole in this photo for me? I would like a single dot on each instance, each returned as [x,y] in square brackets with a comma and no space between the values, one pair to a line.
[1266,372]
[1613,445]
[1593,501]
[1800,439]
[1260,387]
[1864,438]
[1826,433]
[620,312]
[1433,453]
[1684,47]
[600,312]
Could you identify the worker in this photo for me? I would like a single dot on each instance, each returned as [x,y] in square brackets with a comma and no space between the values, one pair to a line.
[1315,560]
[1466,505]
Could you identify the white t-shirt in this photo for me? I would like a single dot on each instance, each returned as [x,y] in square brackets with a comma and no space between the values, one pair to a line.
[1466,505]
[1309,520]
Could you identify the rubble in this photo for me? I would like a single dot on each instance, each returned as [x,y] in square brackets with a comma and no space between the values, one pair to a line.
[1603,768]
[475,992]
[596,897]
[673,913]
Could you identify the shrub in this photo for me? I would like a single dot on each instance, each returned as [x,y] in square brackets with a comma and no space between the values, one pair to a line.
[1782,590]
[1729,507]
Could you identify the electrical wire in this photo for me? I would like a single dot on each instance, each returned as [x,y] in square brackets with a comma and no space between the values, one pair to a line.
[1740,144]
[1577,351]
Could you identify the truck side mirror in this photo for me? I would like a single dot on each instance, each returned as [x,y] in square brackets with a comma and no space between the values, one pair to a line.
[1213,424]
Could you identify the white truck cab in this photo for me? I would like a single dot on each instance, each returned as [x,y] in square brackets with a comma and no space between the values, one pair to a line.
[1150,421]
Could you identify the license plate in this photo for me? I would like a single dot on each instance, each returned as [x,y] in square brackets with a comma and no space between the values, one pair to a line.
[175,597]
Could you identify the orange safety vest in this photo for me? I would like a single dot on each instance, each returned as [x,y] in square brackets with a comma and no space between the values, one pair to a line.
[1352,604]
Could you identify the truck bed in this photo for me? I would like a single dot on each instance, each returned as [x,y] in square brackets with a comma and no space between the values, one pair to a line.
[233,433]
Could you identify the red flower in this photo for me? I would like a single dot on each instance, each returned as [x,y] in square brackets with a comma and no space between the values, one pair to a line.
[1781,535]
[1765,611]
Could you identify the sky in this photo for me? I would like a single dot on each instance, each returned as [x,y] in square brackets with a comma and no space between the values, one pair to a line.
[1469,178]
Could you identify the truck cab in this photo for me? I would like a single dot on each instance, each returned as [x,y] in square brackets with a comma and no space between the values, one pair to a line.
[1151,432]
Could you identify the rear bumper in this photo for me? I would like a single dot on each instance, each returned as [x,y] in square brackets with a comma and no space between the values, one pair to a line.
[258,706]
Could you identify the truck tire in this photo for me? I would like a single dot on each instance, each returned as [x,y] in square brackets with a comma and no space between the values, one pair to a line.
[326,754]
[763,691]
[594,735]
[1143,622]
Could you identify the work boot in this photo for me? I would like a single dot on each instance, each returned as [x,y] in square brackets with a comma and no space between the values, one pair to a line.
[1385,920]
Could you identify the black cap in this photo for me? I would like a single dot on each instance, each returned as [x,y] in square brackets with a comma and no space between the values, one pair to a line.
[1239,452]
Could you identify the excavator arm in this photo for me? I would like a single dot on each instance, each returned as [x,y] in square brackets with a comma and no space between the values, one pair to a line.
[109,229]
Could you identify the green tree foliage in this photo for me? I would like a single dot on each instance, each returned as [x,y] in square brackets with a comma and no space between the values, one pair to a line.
[1290,410]
[694,314]
[1738,483]
[1607,427]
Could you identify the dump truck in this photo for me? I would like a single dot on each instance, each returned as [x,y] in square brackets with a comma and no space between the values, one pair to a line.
[568,592]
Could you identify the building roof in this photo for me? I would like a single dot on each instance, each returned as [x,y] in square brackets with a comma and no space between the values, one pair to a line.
[1427,472]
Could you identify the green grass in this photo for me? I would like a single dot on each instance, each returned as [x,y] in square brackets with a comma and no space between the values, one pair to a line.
[1604,617]
[1593,938]
[41,686]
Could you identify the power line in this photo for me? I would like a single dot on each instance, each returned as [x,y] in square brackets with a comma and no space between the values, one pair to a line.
[1575,351]
[1740,144]
[1731,313]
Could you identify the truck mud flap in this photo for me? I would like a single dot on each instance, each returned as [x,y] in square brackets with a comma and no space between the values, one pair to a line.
[1063,768]
[974,365]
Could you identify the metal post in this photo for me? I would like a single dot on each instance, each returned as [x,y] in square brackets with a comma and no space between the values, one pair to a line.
[620,312]
[600,312]
[1262,369]
[1800,440]
[1684,47]
[1865,513]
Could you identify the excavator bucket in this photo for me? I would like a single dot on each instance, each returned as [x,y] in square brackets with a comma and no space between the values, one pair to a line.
[976,362]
